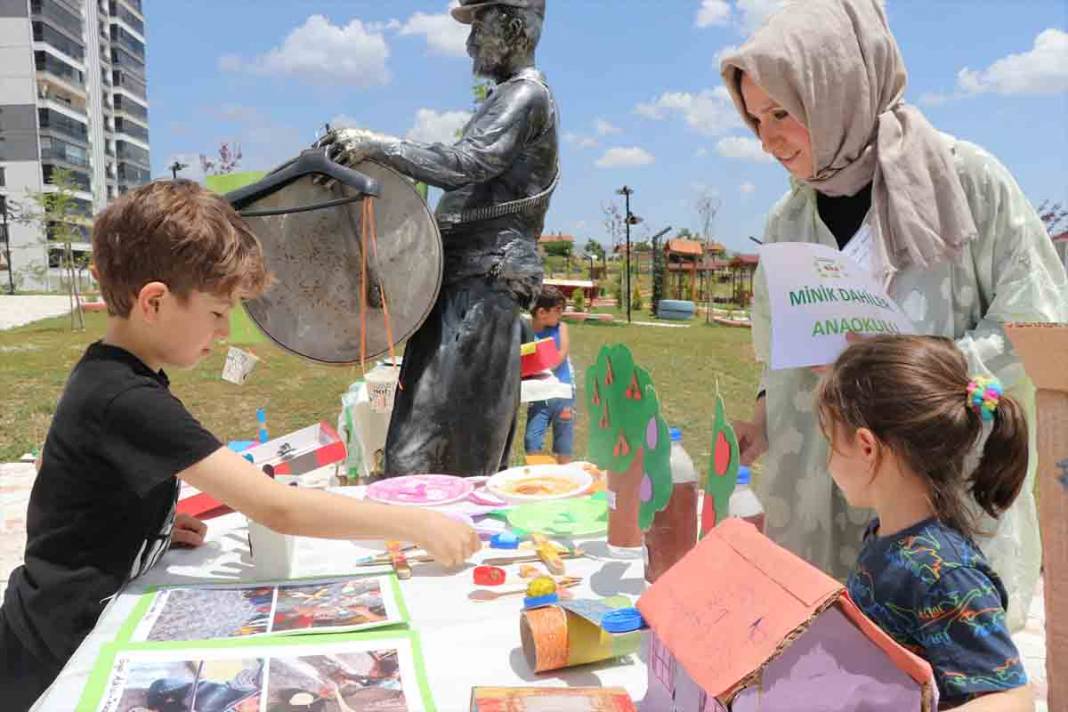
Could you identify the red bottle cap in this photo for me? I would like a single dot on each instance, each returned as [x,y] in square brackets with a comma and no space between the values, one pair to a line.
[489,575]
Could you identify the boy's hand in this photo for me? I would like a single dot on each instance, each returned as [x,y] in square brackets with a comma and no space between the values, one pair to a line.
[448,541]
[188,531]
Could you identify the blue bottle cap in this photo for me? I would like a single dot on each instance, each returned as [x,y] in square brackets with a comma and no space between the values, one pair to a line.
[548,599]
[676,435]
[743,475]
[622,620]
[504,540]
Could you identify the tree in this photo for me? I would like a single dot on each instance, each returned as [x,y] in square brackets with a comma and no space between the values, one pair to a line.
[558,249]
[636,298]
[594,249]
[57,215]
[228,161]
[1054,216]
[579,300]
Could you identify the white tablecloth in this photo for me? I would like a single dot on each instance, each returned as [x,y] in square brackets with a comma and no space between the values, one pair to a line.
[465,644]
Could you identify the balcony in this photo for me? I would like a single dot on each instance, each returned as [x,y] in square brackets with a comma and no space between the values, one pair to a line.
[130,83]
[123,13]
[55,149]
[124,60]
[55,122]
[128,42]
[49,64]
[50,36]
[130,152]
[130,174]
[57,15]
[131,108]
[125,126]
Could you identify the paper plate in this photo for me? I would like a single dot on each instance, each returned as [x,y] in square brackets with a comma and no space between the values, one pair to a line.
[584,516]
[559,482]
[420,490]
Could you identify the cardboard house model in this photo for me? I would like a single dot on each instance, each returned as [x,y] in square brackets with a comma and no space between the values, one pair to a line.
[742,624]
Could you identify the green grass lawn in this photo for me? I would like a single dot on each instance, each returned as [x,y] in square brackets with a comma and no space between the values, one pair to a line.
[686,365]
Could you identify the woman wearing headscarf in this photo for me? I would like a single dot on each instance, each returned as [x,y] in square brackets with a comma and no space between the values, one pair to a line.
[943,224]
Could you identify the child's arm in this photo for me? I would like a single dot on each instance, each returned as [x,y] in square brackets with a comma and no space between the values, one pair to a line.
[1020,699]
[565,344]
[231,479]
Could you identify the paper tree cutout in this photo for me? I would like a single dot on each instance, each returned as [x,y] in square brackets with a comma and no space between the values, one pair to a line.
[722,470]
[625,423]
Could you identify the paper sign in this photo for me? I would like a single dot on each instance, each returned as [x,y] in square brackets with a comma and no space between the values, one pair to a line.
[817,296]
[238,366]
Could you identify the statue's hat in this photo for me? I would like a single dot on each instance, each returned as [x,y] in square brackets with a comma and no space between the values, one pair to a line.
[465,13]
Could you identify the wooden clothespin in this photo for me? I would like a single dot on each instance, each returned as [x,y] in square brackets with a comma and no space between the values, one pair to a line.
[398,560]
[547,553]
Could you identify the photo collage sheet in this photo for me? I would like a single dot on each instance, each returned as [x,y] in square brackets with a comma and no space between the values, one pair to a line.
[329,645]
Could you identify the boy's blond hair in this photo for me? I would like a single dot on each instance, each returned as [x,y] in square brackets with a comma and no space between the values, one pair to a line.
[178,233]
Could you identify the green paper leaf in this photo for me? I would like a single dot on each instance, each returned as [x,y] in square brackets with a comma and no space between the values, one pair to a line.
[723,465]
[625,420]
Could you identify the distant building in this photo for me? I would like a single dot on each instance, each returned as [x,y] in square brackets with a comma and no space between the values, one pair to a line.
[73,96]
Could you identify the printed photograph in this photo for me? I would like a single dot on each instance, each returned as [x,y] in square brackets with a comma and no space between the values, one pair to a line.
[207,613]
[344,682]
[339,604]
[186,685]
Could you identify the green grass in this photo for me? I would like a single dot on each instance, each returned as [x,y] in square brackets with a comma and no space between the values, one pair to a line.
[686,365]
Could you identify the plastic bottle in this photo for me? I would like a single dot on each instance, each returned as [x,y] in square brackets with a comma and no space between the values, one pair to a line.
[744,503]
[674,530]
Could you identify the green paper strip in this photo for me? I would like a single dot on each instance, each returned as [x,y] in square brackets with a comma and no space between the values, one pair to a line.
[96,686]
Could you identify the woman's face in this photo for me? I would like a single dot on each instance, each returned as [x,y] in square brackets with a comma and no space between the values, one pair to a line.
[781,135]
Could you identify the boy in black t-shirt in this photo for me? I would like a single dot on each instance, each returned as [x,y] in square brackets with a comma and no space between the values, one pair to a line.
[171,259]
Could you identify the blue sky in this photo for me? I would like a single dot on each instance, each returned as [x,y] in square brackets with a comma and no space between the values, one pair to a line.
[637,82]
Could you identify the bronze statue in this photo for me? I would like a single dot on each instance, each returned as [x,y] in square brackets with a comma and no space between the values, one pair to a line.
[455,411]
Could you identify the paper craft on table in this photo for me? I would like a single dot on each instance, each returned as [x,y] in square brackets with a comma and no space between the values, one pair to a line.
[817,296]
[383,672]
[536,699]
[244,610]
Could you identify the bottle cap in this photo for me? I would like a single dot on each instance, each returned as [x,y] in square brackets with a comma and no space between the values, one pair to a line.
[743,475]
[489,575]
[676,435]
[504,540]
[622,620]
[548,599]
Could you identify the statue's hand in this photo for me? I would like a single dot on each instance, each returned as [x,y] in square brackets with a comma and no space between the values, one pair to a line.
[351,146]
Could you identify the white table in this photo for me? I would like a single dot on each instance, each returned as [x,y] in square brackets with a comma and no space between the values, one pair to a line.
[465,644]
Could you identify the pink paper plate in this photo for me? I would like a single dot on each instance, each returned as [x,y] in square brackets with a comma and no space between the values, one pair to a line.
[420,490]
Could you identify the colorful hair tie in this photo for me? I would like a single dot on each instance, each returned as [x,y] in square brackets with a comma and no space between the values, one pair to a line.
[984,394]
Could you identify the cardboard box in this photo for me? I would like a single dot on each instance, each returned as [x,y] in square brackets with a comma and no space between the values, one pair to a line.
[1043,349]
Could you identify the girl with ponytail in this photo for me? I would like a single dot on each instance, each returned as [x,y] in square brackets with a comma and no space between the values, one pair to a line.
[902,416]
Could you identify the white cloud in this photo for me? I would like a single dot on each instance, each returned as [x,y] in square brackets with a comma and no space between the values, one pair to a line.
[264,142]
[443,34]
[343,121]
[1041,70]
[742,147]
[746,188]
[713,12]
[323,53]
[701,152]
[437,127]
[580,140]
[630,156]
[755,12]
[603,128]
[710,112]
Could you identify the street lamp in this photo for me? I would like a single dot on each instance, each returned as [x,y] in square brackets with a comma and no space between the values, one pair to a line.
[7,245]
[631,219]
[175,167]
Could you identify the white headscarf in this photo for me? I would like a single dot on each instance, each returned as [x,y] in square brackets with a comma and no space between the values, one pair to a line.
[835,67]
